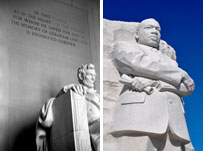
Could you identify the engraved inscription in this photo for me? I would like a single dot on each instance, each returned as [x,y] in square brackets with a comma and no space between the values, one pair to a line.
[43,25]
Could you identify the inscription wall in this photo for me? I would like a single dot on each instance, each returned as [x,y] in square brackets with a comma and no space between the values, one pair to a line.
[42,42]
[50,27]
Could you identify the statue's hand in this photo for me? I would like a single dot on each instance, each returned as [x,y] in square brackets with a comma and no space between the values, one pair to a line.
[67,87]
[188,82]
[41,142]
[77,88]
[140,84]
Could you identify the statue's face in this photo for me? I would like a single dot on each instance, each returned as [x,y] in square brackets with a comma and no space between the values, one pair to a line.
[89,78]
[149,33]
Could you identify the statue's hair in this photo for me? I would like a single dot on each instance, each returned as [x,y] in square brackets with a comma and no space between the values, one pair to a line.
[82,71]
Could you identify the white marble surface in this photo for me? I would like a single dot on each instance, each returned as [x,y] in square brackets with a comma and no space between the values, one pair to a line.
[33,68]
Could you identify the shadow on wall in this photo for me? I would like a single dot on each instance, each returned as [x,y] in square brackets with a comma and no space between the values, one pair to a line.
[23,124]
[25,140]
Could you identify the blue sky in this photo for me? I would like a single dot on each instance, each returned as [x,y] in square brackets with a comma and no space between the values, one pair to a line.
[182,27]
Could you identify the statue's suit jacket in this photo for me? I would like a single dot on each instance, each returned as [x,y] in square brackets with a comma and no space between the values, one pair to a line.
[155,113]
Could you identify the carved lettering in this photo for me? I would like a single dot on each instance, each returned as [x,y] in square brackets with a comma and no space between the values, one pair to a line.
[43,25]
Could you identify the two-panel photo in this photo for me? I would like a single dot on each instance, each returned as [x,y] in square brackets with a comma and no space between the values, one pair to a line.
[101,75]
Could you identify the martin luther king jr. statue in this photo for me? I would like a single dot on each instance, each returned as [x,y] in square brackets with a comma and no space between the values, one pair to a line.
[60,126]
[149,114]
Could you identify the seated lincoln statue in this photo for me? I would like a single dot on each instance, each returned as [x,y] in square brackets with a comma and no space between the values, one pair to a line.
[149,114]
[61,124]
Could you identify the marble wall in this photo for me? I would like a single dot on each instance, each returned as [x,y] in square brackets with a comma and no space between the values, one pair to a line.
[42,43]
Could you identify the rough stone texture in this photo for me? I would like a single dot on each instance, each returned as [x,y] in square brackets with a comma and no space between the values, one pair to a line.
[113,31]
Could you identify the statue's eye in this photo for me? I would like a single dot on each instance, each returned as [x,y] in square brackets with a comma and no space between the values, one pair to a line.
[159,29]
[148,27]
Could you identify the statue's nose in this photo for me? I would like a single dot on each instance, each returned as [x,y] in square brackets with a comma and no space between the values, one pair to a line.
[154,31]
[93,78]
